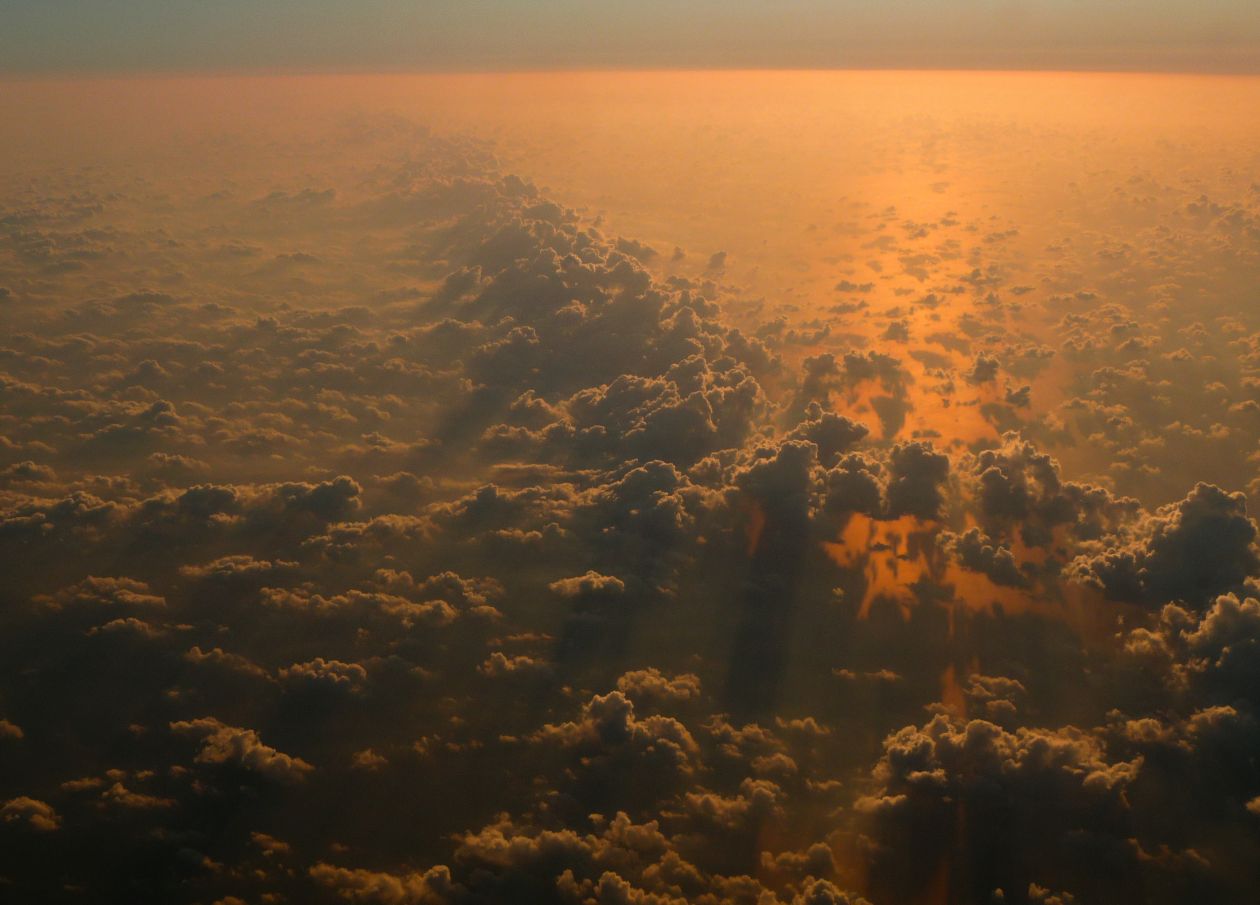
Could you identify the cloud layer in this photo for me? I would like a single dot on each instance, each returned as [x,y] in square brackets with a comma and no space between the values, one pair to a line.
[378,529]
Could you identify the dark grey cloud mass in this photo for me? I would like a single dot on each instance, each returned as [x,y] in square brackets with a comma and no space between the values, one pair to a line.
[400,536]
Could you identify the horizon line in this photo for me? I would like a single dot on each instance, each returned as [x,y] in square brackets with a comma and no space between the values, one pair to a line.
[91,73]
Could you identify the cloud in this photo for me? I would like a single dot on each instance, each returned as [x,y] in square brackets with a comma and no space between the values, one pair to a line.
[609,723]
[107,594]
[917,474]
[36,814]
[592,584]
[833,434]
[1048,784]
[651,576]
[325,673]
[223,660]
[499,665]
[1190,550]
[357,885]
[223,744]
[978,552]
[651,685]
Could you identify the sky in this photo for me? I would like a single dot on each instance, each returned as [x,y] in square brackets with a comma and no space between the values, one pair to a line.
[37,36]
[596,454]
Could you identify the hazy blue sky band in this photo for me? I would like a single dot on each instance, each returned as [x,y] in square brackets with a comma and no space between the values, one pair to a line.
[162,35]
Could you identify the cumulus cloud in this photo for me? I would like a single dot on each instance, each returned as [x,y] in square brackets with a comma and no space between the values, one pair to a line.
[592,584]
[930,775]
[609,723]
[357,885]
[31,812]
[1190,550]
[917,474]
[652,685]
[650,576]
[223,744]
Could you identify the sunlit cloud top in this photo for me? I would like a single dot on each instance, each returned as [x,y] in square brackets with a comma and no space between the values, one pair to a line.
[165,35]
